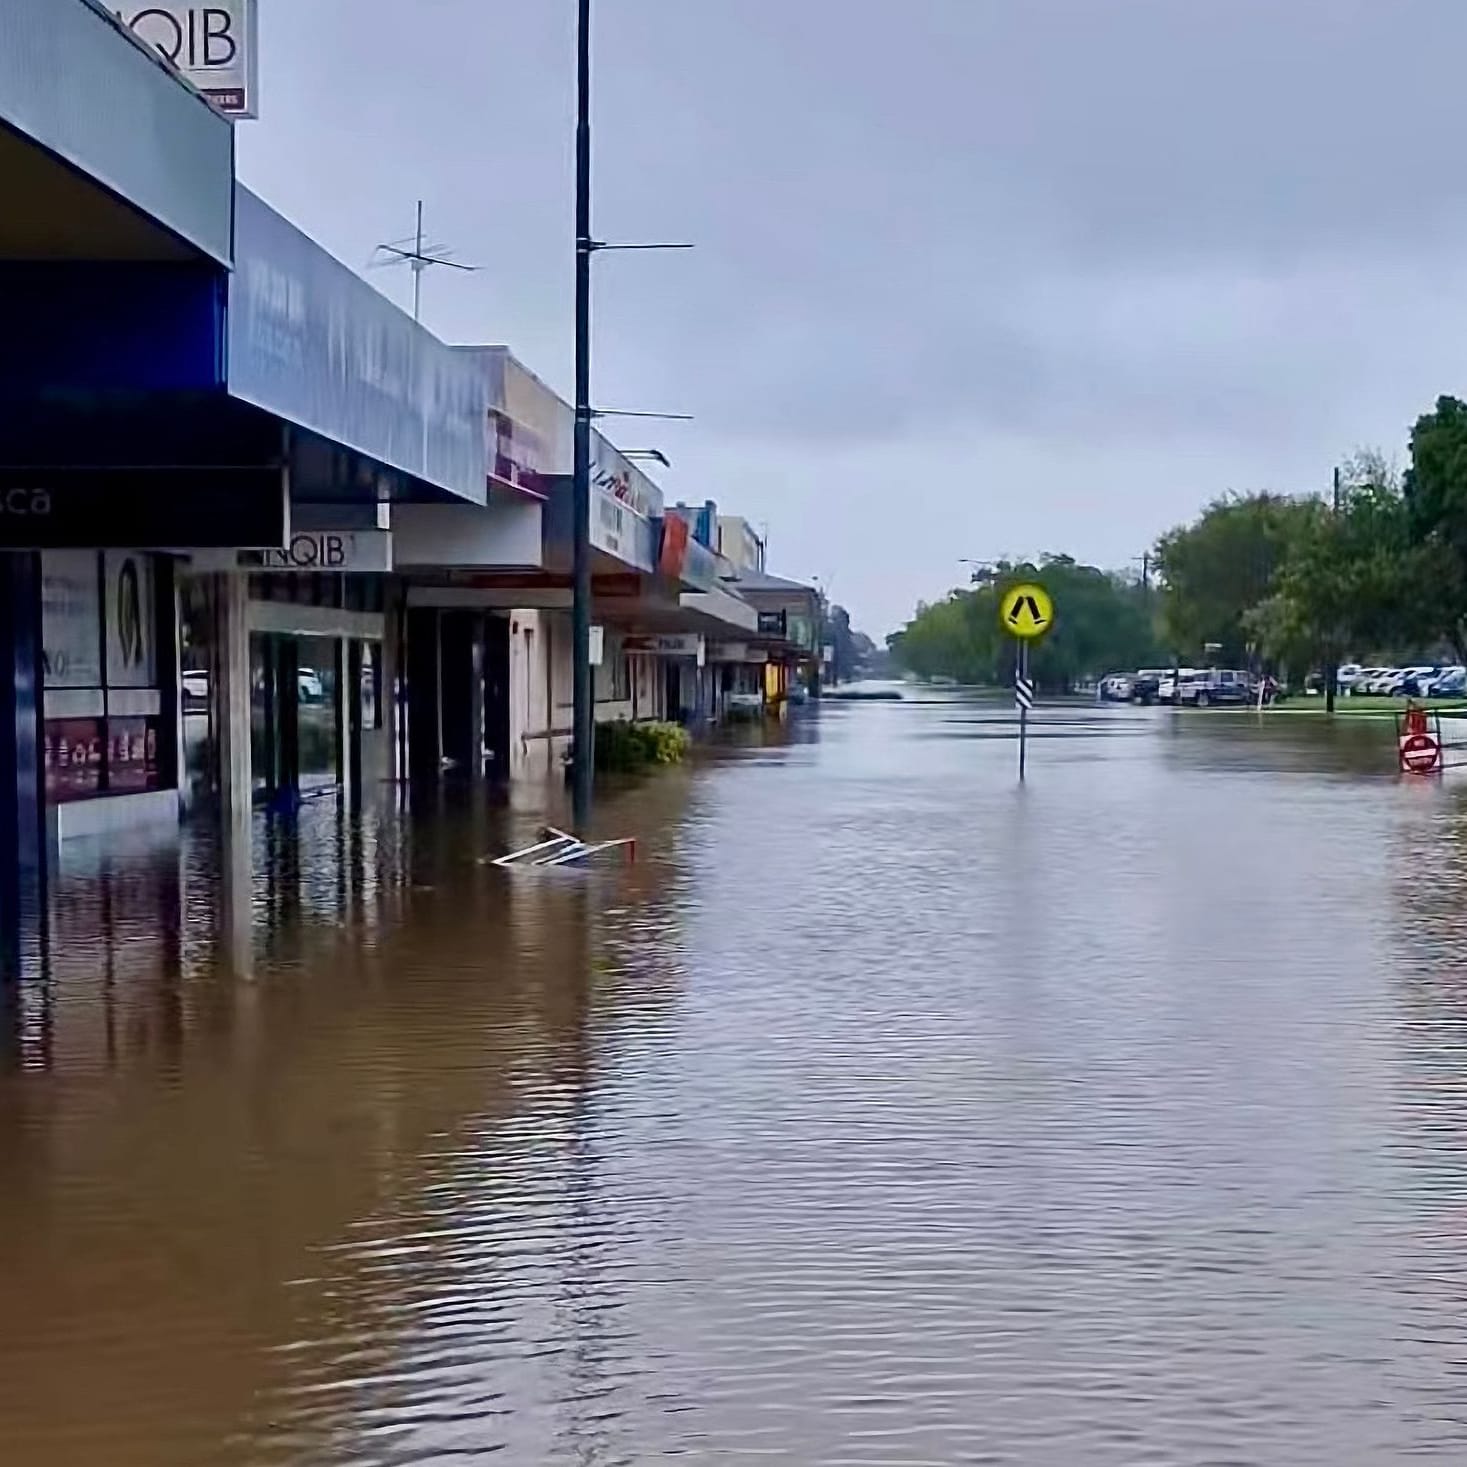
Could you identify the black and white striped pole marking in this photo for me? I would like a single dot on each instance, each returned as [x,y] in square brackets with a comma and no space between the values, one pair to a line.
[1024,697]
[1026,613]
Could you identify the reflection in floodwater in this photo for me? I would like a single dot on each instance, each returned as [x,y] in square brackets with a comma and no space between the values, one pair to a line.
[881,1112]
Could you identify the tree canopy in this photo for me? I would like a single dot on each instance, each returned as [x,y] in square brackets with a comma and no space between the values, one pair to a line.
[1216,570]
[1378,568]
[1102,622]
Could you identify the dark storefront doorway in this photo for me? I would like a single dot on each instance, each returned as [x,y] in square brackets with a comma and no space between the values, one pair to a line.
[496,697]
[458,693]
[305,729]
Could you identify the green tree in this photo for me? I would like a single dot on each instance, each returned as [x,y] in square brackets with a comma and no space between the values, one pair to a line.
[1102,623]
[1347,580]
[1217,569]
[1435,489]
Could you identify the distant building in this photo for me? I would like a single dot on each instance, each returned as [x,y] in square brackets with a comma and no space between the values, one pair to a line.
[739,544]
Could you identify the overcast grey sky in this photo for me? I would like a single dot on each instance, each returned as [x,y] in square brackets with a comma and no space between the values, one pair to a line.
[973,277]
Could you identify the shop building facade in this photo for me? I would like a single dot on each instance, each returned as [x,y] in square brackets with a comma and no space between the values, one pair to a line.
[263,539]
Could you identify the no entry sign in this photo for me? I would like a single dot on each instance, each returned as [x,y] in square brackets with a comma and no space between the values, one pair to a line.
[1420,754]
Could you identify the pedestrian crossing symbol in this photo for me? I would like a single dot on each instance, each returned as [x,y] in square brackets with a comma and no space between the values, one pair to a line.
[1026,611]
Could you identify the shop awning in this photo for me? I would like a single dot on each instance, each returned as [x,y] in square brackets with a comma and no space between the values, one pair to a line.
[105,152]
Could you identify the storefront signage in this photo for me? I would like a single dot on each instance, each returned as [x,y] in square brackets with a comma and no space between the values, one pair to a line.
[675,542]
[345,551]
[215,46]
[700,567]
[44,509]
[737,652]
[311,342]
[621,532]
[622,479]
[668,644]
[26,503]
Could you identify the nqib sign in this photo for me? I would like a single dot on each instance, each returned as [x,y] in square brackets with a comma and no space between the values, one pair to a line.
[214,46]
[345,551]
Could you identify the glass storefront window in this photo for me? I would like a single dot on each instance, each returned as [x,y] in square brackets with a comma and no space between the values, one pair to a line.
[198,656]
[297,705]
[131,656]
[319,711]
[371,689]
[71,619]
[100,673]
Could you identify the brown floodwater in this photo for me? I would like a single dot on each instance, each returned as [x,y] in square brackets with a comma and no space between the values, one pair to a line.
[882,1112]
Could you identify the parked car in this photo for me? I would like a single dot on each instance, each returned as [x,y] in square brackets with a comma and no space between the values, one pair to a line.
[1451,682]
[1166,690]
[194,688]
[1146,684]
[1220,686]
[1347,675]
[1405,682]
[309,687]
[1416,680]
[1117,688]
[1363,680]
[1378,681]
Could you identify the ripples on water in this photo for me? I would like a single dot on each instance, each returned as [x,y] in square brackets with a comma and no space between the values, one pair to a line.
[882,1113]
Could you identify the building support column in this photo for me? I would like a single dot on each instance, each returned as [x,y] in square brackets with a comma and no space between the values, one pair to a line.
[236,784]
[350,723]
[232,698]
[24,856]
[394,682]
[476,703]
[424,699]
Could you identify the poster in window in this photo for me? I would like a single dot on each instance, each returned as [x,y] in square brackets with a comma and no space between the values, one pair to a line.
[130,651]
[73,759]
[132,755]
[71,619]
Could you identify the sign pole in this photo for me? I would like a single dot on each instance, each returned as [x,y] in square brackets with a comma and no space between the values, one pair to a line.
[583,721]
[1025,612]
[1023,710]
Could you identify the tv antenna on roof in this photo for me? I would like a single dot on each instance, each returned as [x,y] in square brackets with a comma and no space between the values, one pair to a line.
[418,255]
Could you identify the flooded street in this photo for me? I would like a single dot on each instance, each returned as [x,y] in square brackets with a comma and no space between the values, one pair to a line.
[882,1112]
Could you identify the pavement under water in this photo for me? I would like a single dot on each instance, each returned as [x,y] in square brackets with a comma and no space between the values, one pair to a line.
[883,1112]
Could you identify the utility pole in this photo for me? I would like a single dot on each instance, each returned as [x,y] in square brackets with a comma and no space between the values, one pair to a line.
[1331,669]
[583,747]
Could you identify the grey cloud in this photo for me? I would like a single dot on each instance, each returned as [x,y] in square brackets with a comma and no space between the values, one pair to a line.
[1163,247]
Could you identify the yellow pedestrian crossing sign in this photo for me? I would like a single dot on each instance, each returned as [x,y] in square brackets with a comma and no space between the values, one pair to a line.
[1026,611]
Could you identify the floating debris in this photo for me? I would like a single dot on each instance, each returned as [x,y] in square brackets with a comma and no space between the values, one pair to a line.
[559,848]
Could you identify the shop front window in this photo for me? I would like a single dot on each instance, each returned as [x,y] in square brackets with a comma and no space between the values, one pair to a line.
[614,676]
[103,700]
[198,657]
[319,711]
[371,686]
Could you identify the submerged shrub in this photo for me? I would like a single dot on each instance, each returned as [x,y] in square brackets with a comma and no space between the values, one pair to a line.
[622,748]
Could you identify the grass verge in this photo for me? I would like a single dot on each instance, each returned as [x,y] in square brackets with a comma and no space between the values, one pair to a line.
[1365,706]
